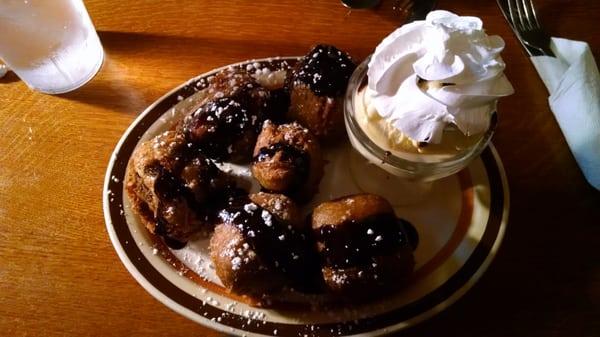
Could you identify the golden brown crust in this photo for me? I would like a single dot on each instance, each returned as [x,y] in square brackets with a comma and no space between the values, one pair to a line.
[230,82]
[238,266]
[139,198]
[322,115]
[164,150]
[274,175]
[279,205]
[353,207]
[158,152]
[292,133]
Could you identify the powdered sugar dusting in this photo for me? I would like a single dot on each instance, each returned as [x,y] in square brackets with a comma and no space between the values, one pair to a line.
[196,252]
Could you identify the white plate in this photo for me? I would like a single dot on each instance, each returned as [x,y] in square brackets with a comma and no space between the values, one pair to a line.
[460,224]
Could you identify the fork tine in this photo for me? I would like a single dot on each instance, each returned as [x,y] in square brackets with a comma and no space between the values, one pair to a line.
[503,4]
[522,15]
[525,14]
[514,15]
[533,20]
[522,19]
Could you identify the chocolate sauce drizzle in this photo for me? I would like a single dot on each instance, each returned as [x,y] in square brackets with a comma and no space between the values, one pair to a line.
[354,243]
[161,230]
[168,187]
[326,70]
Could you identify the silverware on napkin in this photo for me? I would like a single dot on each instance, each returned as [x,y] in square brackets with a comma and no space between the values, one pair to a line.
[570,74]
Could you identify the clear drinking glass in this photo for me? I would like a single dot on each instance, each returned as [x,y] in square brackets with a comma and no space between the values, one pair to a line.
[50,44]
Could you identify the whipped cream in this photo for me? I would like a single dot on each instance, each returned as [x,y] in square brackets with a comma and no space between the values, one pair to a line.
[440,71]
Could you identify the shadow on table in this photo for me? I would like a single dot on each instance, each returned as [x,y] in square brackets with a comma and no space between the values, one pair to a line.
[176,48]
[131,78]
[110,90]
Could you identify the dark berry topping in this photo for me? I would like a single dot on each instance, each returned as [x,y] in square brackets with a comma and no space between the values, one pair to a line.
[326,70]
[280,245]
[359,241]
[217,125]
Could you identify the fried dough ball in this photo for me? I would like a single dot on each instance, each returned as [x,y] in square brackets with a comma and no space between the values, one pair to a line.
[224,126]
[169,187]
[259,245]
[223,129]
[317,86]
[288,160]
[362,244]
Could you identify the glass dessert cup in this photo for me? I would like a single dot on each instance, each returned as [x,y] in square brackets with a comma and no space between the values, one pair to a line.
[416,174]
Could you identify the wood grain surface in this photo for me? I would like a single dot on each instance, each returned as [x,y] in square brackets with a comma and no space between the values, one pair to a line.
[59,275]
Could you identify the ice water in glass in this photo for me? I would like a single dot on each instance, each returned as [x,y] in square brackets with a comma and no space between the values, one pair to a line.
[50,44]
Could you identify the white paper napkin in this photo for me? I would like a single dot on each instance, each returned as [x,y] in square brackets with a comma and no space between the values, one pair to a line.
[573,81]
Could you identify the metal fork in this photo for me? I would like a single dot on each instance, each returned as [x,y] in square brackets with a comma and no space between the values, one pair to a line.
[524,22]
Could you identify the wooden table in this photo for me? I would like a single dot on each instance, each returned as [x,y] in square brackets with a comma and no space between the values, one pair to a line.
[59,275]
